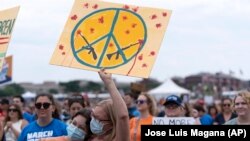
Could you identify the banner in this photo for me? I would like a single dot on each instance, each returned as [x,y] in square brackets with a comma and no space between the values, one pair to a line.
[173,121]
[7,21]
[6,72]
[124,39]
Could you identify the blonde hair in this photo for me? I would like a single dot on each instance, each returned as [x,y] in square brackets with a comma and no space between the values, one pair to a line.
[151,102]
[245,95]
[108,108]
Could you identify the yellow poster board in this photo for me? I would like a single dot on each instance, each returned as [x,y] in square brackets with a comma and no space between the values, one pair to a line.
[124,39]
[6,72]
[7,21]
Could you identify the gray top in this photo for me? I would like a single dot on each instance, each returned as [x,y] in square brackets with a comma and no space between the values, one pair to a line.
[231,122]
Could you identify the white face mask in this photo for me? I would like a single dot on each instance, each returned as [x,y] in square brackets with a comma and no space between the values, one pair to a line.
[75,133]
[96,126]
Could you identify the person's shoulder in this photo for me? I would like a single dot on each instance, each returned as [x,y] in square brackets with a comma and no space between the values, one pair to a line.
[207,116]
[30,127]
[133,119]
[234,115]
[231,122]
[59,122]
[59,127]
[31,124]
[27,115]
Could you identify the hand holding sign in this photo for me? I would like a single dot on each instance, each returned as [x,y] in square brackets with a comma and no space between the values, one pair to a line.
[106,77]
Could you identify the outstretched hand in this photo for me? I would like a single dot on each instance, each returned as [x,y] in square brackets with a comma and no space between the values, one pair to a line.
[106,77]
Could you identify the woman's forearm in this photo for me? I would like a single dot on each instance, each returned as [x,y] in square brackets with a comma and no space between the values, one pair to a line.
[118,102]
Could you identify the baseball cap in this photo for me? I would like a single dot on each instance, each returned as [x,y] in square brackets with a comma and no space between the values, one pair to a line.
[173,99]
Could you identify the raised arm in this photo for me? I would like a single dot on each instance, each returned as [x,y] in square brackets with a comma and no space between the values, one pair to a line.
[119,105]
[122,123]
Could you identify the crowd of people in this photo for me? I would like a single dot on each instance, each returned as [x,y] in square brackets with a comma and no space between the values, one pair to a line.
[118,118]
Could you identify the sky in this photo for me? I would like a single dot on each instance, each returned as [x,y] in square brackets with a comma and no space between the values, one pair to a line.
[202,36]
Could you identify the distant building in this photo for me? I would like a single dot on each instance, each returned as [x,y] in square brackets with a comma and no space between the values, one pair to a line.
[45,87]
[213,83]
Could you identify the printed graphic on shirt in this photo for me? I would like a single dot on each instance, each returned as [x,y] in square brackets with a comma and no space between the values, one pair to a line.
[35,136]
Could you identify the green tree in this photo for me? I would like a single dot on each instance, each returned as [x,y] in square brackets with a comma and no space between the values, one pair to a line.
[71,86]
[53,91]
[150,83]
[92,86]
[12,89]
[3,93]
[125,88]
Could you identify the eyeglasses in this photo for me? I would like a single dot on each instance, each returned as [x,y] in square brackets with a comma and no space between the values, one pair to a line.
[228,105]
[240,103]
[93,116]
[45,105]
[13,110]
[140,101]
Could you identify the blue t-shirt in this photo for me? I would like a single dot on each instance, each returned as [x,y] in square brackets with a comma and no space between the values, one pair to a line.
[29,117]
[133,111]
[206,119]
[34,132]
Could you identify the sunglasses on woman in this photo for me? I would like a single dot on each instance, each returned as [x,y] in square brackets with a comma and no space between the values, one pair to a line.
[45,105]
[12,110]
[140,101]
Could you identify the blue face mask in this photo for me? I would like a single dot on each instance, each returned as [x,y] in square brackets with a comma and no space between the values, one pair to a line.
[96,126]
[75,133]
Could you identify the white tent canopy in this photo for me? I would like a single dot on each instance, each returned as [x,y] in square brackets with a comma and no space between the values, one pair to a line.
[100,95]
[60,96]
[230,94]
[103,95]
[167,88]
[29,95]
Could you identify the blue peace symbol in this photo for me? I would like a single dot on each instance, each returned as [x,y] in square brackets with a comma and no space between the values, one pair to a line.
[108,36]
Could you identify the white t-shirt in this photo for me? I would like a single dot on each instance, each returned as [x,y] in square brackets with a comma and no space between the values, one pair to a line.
[9,134]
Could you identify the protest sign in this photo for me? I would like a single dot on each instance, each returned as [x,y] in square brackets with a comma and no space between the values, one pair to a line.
[124,39]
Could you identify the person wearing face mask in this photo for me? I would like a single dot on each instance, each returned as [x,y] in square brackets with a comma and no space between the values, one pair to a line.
[110,119]
[78,129]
